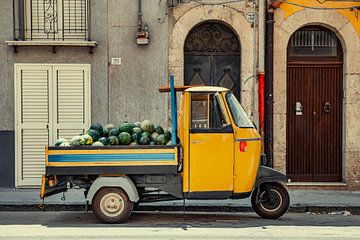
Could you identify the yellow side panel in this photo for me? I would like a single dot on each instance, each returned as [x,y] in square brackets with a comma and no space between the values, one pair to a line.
[211,162]
[246,163]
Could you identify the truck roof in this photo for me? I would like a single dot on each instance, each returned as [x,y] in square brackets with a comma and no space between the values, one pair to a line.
[207,89]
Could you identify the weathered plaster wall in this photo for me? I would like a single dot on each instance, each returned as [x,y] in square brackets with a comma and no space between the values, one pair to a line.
[186,16]
[351,46]
[133,85]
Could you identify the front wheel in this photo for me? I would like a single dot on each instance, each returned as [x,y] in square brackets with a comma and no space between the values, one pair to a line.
[270,200]
[112,205]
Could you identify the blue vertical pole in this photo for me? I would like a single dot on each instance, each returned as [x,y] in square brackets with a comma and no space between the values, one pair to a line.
[173,110]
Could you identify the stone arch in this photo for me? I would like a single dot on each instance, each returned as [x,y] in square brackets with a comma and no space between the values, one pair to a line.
[351,49]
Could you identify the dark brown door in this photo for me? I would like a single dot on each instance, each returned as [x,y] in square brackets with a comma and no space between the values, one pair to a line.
[314,107]
[212,57]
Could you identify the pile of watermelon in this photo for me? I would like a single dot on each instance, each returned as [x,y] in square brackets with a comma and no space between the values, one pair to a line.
[125,133]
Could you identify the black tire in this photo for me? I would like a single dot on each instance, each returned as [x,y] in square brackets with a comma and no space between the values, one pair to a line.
[273,202]
[112,205]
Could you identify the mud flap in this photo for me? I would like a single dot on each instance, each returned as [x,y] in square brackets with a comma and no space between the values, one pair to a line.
[51,185]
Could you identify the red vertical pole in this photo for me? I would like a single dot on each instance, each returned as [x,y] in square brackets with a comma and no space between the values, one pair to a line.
[261,77]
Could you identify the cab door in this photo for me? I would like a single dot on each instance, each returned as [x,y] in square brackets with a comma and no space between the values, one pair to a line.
[211,151]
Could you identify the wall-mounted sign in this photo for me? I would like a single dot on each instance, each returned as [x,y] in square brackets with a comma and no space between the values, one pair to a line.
[116,61]
[251,17]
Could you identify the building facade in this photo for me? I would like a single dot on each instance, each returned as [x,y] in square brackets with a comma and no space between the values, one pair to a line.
[71,62]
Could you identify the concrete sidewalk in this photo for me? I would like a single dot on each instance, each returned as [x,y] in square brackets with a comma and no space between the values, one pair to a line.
[300,201]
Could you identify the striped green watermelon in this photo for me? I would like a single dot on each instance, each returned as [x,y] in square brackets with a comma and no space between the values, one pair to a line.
[147,126]
[94,134]
[113,140]
[124,138]
[97,127]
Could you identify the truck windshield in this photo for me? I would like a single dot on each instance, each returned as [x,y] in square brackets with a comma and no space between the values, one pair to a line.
[238,113]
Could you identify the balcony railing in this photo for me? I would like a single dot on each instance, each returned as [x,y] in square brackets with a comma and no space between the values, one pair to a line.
[51,20]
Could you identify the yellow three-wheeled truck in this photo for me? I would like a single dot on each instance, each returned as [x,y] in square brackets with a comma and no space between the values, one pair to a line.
[218,157]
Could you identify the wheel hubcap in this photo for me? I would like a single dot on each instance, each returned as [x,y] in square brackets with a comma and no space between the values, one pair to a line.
[271,200]
[112,204]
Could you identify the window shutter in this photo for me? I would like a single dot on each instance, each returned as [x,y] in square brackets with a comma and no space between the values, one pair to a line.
[72,106]
[32,120]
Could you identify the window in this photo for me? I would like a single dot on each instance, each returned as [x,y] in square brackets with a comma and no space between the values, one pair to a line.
[52,19]
[313,42]
[207,112]
[238,113]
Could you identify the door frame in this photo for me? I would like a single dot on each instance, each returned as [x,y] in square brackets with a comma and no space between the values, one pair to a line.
[52,104]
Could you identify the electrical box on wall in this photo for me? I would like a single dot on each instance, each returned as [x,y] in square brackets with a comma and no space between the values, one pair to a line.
[142,36]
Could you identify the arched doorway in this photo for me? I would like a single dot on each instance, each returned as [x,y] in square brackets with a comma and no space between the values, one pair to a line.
[212,57]
[314,106]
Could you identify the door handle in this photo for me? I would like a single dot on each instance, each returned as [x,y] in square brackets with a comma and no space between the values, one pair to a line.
[197,141]
[298,109]
[327,107]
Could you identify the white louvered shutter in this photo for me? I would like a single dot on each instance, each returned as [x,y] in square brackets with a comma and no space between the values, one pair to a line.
[52,101]
[32,122]
[72,110]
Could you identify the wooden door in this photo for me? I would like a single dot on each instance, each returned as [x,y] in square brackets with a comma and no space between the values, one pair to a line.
[212,57]
[314,116]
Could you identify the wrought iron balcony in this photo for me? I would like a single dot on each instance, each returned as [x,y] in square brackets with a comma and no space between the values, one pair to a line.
[51,20]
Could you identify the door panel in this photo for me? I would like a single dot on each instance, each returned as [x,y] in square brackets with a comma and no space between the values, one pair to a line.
[314,136]
[211,165]
[198,70]
[227,73]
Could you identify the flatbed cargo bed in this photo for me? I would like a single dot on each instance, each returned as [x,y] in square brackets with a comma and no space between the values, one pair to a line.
[111,160]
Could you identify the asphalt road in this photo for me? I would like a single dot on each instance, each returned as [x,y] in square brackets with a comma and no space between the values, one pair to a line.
[156,225]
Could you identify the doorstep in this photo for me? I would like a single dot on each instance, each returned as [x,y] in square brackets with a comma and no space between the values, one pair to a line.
[317,185]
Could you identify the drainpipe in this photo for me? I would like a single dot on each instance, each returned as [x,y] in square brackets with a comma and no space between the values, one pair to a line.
[269,69]
[261,68]
[139,15]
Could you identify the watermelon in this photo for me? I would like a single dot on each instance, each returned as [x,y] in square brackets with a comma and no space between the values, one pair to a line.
[97,127]
[94,134]
[124,138]
[147,126]
[97,144]
[167,133]
[114,132]
[109,126]
[162,140]
[135,137]
[169,143]
[158,129]
[60,141]
[113,140]
[77,141]
[104,140]
[146,134]
[106,132]
[65,144]
[144,140]
[137,124]
[152,143]
[136,130]
[154,136]
[133,144]
[126,127]
[88,139]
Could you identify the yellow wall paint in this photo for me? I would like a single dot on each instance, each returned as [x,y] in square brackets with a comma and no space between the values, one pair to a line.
[352,16]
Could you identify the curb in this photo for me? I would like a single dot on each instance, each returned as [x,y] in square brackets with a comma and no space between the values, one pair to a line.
[81,207]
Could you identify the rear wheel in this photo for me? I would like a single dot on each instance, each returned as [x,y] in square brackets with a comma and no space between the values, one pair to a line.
[112,205]
[273,200]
